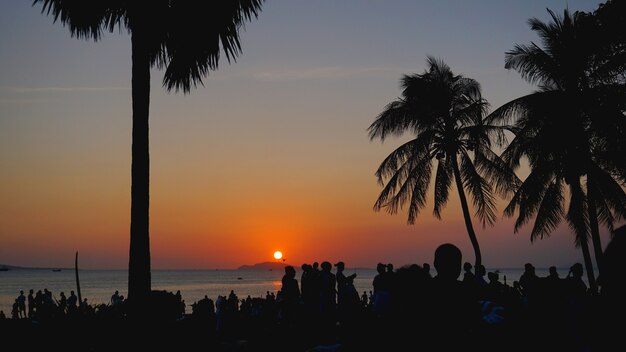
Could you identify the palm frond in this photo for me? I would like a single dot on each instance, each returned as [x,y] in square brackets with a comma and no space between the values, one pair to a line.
[396,184]
[550,212]
[496,171]
[418,195]
[395,119]
[85,19]
[492,133]
[409,184]
[470,112]
[197,33]
[605,215]
[514,152]
[465,88]
[531,107]
[443,182]
[609,192]
[577,215]
[417,148]
[479,189]
[438,68]
[528,196]
[532,63]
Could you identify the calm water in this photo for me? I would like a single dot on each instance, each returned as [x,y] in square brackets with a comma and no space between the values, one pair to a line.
[98,285]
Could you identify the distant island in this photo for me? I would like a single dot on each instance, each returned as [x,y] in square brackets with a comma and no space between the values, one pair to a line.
[264,266]
[5,267]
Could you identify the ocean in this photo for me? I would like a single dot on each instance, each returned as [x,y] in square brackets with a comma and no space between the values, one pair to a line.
[98,285]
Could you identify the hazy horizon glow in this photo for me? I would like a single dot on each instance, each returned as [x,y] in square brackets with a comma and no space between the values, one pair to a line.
[272,153]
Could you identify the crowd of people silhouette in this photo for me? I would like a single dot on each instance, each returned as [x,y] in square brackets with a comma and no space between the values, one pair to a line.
[324,307]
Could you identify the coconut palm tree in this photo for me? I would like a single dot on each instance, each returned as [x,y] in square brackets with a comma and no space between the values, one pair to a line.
[579,100]
[183,37]
[445,113]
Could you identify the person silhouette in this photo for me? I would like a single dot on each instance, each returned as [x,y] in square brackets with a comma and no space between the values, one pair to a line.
[291,296]
[62,303]
[450,308]
[364,299]
[15,310]
[115,298]
[72,303]
[328,293]
[468,276]
[426,269]
[345,292]
[21,300]
[382,292]
[31,303]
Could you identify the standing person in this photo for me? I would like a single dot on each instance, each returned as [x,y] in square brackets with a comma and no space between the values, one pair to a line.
[529,278]
[309,292]
[345,293]
[31,303]
[72,303]
[233,301]
[576,287]
[38,301]
[426,268]
[468,276]
[62,303]
[451,311]
[115,298]
[291,296]
[15,311]
[382,292]
[328,293]
[84,306]
[21,301]
[364,299]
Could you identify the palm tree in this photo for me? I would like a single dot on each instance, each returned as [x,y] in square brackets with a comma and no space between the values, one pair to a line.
[183,37]
[445,113]
[577,99]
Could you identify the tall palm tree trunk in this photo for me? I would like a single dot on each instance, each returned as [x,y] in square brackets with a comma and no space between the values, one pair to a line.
[139,261]
[593,224]
[584,246]
[466,213]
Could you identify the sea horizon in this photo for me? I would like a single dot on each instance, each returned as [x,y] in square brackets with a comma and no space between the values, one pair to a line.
[97,285]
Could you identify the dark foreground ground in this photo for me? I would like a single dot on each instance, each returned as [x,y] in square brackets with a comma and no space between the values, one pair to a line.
[367,333]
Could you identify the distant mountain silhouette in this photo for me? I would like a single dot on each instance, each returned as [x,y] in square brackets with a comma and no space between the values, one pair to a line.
[10,267]
[5,267]
[264,266]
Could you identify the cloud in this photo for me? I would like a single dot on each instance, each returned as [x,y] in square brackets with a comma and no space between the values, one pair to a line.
[35,95]
[317,73]
[61,89]
[23,101]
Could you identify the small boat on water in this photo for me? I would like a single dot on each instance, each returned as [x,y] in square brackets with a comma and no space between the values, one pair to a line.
[4,269]
[56,269]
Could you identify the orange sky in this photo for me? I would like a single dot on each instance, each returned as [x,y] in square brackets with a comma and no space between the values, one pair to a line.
[272,154]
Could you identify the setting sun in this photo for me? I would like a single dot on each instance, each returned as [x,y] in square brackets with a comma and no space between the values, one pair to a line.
[278,255]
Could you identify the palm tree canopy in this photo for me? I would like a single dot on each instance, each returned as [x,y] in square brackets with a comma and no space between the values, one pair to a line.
[445,113]
[183,37]
[561,61]
[580,98]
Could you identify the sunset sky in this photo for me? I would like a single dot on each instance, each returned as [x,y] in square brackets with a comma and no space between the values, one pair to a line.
[271,154]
